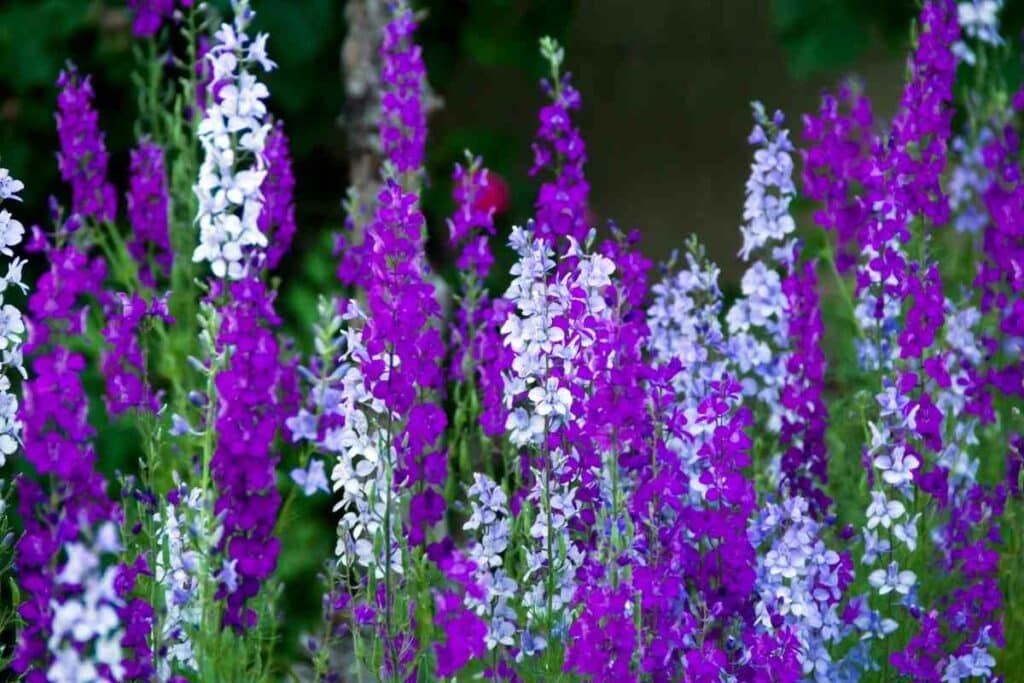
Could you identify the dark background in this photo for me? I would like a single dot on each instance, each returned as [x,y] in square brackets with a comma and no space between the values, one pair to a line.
[665,85]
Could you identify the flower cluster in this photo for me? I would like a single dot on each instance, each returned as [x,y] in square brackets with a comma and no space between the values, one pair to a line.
[686,330]
[403,128]
[233,135]
[345,425]
[472,224]
[57,437]
[177,569]
[552,327]
[979,20]
[489,523]
[582,478]
[775,326]
[277,217]
[83,157]
[85,633]
[124,362]
[147,201]
[801,582]
[562,201]
[838,140]
[244,464]
[968,181]
[12,325]
[403,134]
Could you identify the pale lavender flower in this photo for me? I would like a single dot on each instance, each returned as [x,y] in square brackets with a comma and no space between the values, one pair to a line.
[892,579]
[979,21]
[770,187]
[875,546]
[548,345]
[883,511]
[489,522]
[968,180]
[311,479]
[897,466]
[798,583]
[977,663]
[86,631]
[9,186]
[553,500]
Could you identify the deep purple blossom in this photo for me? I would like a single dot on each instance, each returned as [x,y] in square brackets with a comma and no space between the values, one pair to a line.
[805,458]
[561,206]
[471,225]
[835,162]
[244,465]
[903,182]
[124,361]
[403,130]
[83,154]
[403,133]
[491,359]
[463,631]
[277,217]
[602,639]
[403,339]
[147,202]
[1001,270]
[150,15]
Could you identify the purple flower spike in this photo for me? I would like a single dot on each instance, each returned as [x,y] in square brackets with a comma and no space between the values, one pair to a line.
[150,15]
[83,153]
[277,218]
[244,464]
[147,211]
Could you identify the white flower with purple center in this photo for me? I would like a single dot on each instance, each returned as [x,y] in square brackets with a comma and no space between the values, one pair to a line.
[553,558]
[907,532]
[9,186]
[892,579]
[897,466]
[11,232]
[797,582]
[883,511]
[548,345]
[355,443]
[551,399]
[490,526]
[770,187]
[183,556]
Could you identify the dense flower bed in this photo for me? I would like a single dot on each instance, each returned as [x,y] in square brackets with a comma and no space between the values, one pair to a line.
[608,471]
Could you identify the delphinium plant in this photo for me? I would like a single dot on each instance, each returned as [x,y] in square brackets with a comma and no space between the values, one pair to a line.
[588,468]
